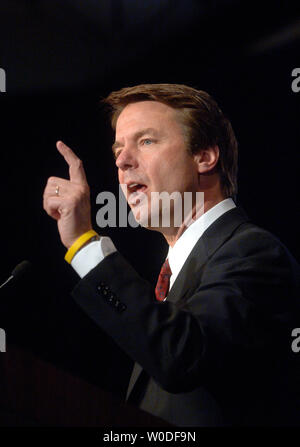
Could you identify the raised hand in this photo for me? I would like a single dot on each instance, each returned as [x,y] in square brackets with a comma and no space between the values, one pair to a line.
[68,201]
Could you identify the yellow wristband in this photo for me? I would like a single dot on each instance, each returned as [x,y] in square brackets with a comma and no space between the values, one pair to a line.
[78,244]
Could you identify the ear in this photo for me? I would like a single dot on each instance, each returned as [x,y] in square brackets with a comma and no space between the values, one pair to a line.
[207,159]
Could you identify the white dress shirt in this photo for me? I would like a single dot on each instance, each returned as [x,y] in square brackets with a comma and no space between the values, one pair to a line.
[89,256]
[179,253]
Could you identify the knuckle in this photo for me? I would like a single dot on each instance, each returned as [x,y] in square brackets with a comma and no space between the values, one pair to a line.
[82,190]
[46,190]
[45,200]
[78,163]
[51,180]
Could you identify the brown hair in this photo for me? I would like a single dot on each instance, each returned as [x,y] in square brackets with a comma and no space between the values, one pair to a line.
[203,121]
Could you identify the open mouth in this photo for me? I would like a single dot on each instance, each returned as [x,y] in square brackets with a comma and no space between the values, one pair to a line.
[134,193]
[134,187]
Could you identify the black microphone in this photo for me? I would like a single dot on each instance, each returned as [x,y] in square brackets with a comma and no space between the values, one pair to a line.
[19,271]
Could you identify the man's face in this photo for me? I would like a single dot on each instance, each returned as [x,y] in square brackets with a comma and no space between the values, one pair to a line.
[151,156]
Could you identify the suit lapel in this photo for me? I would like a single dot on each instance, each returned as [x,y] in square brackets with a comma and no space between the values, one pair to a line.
[212,239]
[190,274]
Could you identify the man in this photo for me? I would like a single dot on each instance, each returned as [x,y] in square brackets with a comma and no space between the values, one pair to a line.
[212,342]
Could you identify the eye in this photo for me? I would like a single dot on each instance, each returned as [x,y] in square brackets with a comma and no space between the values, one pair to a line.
[147,141]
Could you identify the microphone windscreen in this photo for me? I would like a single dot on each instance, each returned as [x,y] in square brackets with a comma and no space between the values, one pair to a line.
[21,269]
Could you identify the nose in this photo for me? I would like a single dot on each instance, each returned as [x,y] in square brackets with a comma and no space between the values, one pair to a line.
[126,159]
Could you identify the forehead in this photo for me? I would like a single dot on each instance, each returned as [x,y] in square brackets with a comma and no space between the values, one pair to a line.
[147,114]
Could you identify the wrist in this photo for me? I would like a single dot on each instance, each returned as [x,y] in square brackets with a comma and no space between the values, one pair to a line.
[81,242]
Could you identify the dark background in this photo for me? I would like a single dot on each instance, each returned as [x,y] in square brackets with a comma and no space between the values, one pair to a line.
[61,58]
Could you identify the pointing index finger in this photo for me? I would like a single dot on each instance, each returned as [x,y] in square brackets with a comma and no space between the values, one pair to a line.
[76,170]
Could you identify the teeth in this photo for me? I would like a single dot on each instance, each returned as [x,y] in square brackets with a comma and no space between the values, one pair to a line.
[133,185]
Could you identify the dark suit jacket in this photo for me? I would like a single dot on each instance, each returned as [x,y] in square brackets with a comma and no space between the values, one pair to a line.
[218,351]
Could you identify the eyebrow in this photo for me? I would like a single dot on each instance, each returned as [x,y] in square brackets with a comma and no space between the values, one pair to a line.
[140,133]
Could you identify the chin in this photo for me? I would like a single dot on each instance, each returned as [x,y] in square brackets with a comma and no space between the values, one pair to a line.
[143,218]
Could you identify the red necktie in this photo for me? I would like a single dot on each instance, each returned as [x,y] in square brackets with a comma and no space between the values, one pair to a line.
[163,283]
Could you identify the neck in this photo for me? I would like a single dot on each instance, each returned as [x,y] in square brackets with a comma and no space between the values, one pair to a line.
[172,234]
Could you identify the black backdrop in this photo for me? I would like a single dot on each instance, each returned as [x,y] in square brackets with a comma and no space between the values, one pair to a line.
[60,58]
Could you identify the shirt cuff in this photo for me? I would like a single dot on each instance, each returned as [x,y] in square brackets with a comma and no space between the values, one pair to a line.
[89,256]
